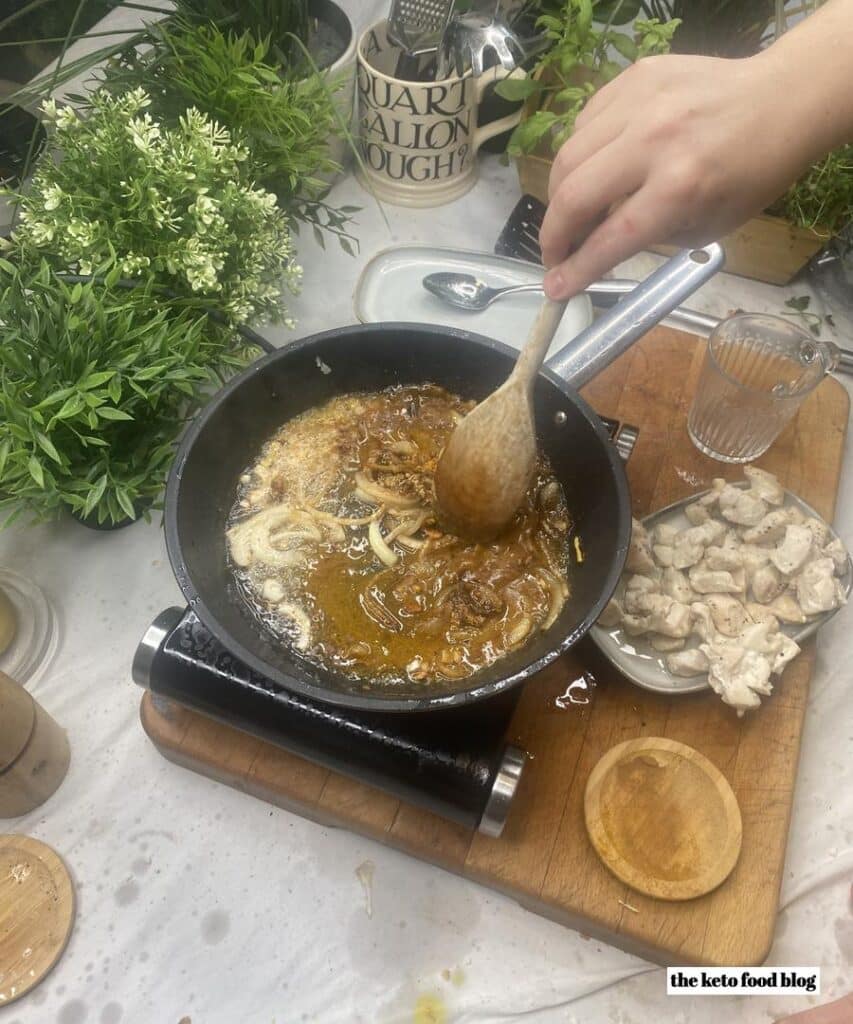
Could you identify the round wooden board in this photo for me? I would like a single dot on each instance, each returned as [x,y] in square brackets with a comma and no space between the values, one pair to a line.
[663,818]
[36,913]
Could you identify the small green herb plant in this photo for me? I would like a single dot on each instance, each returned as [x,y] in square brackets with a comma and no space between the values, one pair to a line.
[96,382]
[174,205]
[284,122]
[580,60]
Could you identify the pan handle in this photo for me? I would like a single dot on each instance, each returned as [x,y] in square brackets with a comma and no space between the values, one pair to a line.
[640,310]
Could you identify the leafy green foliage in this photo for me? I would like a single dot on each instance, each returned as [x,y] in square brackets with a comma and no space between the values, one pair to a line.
[580,60]
[716,28]
[96,382]
[284,120]
[284,22]
[822,199]
[176,205]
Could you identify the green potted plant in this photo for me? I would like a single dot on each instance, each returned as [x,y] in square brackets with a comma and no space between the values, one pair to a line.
[167,229]
[580,58]
[96,382]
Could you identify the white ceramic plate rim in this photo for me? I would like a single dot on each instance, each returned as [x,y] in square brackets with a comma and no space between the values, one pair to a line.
[475,255]
[656,677]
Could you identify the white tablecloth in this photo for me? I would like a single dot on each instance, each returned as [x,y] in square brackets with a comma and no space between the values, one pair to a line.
[196,901]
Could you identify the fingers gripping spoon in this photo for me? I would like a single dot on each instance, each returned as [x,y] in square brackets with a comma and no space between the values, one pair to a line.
[488,462]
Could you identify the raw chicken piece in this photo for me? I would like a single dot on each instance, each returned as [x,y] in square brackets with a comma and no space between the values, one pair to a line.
[711,532]
[765,485]
[710,498]
[640,550]
[754,557]
[671,618]
[761,613]
[691,543]
[635,625]
[663,554]
[816,587]
[674,584]
[727,558]
[664,533]
[786,651]
[766,583]
[643,582]
[790,555]
[772,526]
[819,531]
[741,507]
[702,625]
[684,555]
[838,553]
[665,644]
[633,600]
[697,513]
[737,675]
[708,581]
[727,613]
[612,614]
[687,663]
[786,609]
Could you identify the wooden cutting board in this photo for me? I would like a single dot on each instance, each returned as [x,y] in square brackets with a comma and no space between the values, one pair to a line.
[544,859]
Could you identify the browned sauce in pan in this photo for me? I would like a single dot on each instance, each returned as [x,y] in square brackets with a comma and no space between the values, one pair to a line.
[335,547]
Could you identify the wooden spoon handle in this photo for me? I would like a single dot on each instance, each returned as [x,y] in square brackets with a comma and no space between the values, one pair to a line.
[538,342]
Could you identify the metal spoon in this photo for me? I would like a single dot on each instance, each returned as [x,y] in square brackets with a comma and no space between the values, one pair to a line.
[467,292]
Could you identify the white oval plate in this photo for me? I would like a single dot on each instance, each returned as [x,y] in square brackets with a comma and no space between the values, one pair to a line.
[643,665]
[391,288]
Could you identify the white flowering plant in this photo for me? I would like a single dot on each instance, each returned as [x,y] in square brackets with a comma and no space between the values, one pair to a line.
[176,205]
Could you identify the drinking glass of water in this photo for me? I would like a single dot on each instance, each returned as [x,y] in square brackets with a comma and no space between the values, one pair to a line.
[758,369]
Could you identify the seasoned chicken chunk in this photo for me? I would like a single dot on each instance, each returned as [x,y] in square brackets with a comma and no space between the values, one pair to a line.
[794,549]
[727,558]
[697,513]
[727,613]
[819,531]
[664,533]
[674,584]
[838,553]
[787,609]
[612,614]
[741,507]
[766,583]
[702,625]
[761,613]
[772,527]
[709,581]
[816,587]
[640,549]
[691,662]
[765,485]
[663,554]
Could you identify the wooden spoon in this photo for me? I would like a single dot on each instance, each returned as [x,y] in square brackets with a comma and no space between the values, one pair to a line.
[487,466]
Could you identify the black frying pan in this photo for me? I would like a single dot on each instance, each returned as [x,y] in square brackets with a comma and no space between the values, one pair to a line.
[226,437]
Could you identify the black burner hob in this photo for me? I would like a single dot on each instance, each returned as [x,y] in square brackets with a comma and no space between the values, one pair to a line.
[455,763]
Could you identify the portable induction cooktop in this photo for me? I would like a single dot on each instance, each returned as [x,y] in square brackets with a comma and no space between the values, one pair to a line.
[455,763]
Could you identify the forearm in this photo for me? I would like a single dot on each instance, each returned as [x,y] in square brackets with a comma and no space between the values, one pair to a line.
[811,68]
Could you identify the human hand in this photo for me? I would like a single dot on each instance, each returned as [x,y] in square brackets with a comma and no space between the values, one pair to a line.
[676,149]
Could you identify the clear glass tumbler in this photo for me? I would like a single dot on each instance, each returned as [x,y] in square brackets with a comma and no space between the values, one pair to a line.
[757,371]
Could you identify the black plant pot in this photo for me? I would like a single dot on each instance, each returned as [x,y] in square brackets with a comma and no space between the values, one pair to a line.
[331,32]
[17,127]
[91,521]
